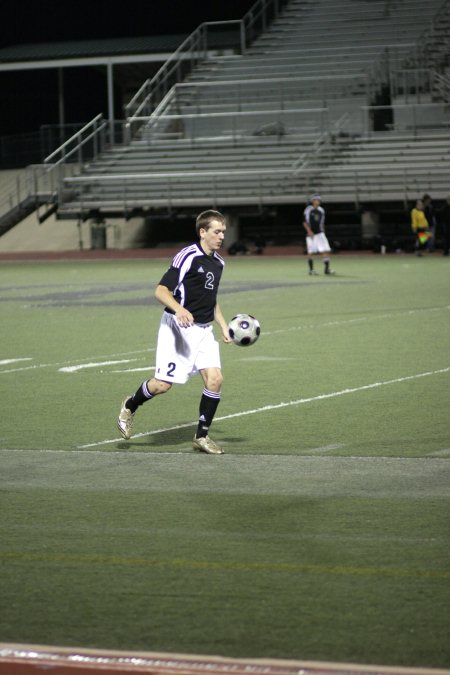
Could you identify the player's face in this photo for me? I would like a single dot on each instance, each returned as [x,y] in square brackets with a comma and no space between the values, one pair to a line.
[315,203]
[212,239]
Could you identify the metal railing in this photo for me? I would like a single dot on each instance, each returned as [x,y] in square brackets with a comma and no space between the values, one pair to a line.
[51,182]
[419,84]
[312,168]
[20,150]
[390,59]
[441,85]
[407,119]
[155,99]
[43,182]
[68,159]
[257,186]
[193,51]
[431,48]
[322,144]
[415,83]
[86,143]
[15,192]
[194,127]
[238,94]
[241,91]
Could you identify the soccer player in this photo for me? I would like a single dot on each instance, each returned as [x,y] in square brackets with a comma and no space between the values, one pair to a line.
[316,240]
[186,343]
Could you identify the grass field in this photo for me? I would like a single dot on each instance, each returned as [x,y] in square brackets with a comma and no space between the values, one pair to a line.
[321,534]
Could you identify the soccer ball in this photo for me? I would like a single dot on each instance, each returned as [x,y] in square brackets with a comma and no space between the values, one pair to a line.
[244,330]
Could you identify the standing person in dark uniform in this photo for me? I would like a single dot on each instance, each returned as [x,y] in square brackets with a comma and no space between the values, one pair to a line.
[445,223]
[431,219]
[316,240]
[186,343]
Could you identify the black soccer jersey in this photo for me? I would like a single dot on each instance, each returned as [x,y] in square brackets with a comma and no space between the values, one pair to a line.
[194,278]
[315,218]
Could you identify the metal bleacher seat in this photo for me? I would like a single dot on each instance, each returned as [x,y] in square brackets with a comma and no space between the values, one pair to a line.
[265,125]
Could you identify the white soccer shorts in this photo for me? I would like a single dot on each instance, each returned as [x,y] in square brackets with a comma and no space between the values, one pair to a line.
[317,244]
[182,352]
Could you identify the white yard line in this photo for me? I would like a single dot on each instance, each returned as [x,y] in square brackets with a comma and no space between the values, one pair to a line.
[267,408]
[265,333]
[328,448]
[134,370]
[409,312]
[439,453]
[70,361]
[95,364]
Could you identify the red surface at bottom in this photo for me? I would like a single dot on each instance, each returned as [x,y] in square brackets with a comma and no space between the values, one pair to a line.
[18,659]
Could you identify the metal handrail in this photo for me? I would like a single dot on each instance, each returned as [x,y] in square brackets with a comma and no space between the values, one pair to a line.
[145,92]
[194,49]
[191,131]
[39,182]
[381,179]
[293,175]
[173,174]
[114,178]
[79,138]
[235,113]
[161,111]
[319,144]
[419,54]
[408,82]
[295,181]
[443,86]
[171,96]
[195,46]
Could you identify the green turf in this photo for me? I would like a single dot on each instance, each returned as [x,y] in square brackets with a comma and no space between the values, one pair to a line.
[322,533]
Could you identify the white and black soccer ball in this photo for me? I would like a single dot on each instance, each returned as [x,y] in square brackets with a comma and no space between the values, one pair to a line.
[244,330]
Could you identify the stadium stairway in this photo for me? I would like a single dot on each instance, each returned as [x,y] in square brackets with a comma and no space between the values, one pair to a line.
[265,127]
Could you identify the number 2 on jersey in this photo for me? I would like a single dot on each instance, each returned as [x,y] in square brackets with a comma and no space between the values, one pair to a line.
[209,283]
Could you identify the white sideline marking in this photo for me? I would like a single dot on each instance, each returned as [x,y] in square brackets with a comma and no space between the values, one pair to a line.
[87,358]
[359,319]
[439,453]
[95,364]
[326,448]
[134,370]
[276,406]
[5,362]
[266,333]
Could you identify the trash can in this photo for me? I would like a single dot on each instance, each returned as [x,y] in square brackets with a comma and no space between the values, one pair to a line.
[98,236]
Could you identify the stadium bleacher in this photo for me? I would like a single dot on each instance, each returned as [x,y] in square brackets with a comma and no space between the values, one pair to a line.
[310,104]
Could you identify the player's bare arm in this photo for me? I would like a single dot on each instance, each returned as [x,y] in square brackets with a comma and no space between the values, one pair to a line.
[308,229]
[165,297]
[220,319]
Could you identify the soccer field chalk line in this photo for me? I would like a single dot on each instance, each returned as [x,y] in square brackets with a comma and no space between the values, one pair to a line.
[276,406]
[24,658]
[345,322]
[95,364]
[358,319]
[66,363]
